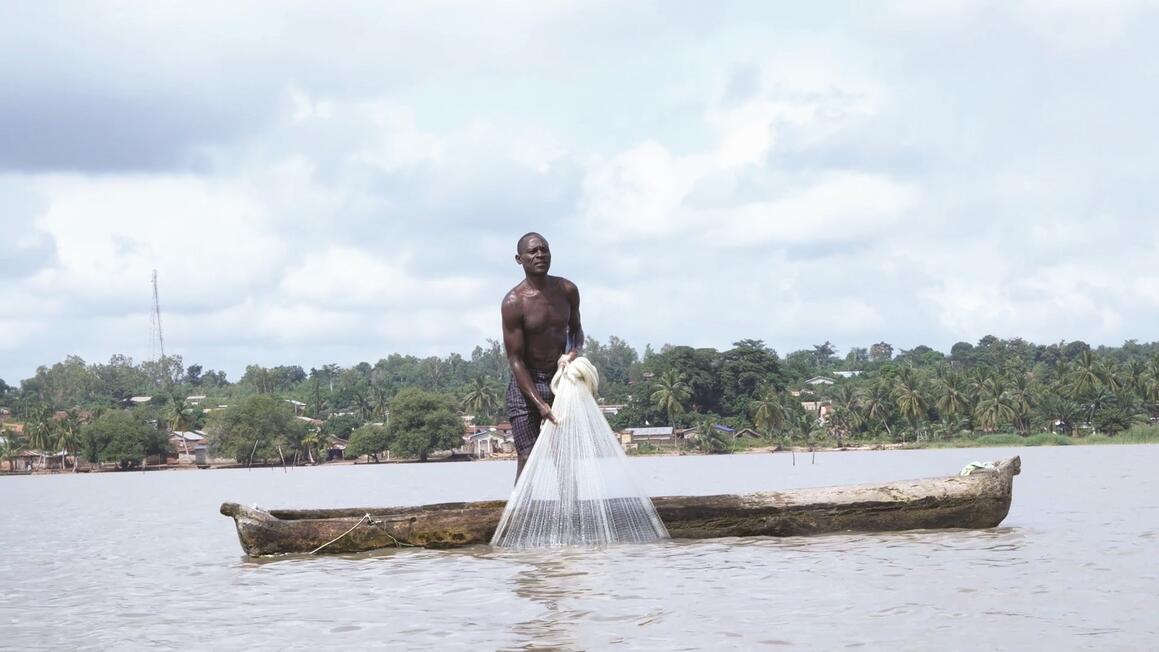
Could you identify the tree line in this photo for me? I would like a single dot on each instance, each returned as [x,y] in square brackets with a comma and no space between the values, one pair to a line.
[405,404]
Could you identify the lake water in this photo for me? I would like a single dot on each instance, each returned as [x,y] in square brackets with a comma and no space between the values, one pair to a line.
[136,560]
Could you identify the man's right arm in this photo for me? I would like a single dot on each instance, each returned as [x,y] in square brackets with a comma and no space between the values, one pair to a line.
[512,311]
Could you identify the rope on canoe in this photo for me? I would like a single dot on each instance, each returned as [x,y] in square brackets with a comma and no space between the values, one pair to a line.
[369,521]
[364,518]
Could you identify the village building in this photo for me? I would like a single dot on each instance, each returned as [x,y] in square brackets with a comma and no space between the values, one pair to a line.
[664,436]
[487,441]
[821,409]
[183,445]
[337,450]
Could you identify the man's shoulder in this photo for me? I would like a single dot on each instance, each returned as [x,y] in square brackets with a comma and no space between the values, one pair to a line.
[568,288]
[512,299]
[565,284]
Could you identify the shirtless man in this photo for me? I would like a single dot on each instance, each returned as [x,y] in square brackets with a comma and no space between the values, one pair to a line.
[541,321]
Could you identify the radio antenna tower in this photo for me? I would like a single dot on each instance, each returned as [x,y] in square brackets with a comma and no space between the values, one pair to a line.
[157,340]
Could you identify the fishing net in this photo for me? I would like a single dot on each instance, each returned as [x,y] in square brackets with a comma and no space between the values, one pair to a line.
[576,489]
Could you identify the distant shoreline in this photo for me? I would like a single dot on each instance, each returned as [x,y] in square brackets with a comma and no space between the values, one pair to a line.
[990,441]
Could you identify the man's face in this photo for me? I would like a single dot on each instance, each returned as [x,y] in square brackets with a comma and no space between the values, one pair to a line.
[535,257]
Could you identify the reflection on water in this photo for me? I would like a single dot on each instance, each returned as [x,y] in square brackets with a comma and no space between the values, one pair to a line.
[135,560]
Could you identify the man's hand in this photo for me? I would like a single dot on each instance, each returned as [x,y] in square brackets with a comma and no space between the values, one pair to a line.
[545,412]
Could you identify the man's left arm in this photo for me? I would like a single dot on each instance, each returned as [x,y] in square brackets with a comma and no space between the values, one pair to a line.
[575,329]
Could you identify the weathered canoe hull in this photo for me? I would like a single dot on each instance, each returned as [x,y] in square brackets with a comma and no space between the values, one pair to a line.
[980,500]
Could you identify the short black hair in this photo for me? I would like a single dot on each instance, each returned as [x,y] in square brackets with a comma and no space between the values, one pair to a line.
[523,240]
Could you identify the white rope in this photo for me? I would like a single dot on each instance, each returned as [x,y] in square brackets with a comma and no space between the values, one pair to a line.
[364,518]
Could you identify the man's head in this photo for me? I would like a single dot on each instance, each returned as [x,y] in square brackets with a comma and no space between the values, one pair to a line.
[533,254]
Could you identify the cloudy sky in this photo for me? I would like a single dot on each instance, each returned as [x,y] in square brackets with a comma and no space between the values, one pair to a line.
[317,185]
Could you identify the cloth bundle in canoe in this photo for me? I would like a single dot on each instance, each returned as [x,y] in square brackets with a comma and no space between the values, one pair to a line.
[577,489]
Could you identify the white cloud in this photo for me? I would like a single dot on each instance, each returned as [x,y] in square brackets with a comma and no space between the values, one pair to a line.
[354,278]
[206,238]
[839,207]
[332,188]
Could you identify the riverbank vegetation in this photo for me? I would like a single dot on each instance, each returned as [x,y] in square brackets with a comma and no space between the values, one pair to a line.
[995,391]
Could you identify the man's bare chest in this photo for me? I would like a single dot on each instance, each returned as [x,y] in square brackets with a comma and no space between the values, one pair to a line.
[546,312]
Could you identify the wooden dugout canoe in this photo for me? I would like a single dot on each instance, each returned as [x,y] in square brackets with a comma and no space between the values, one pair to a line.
[979,500]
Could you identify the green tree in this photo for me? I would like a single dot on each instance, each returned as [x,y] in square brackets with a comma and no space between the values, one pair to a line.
[712,440]
[744,371]
[823,354]
[1022,398]
[423,422]
[11,447]
[40,428]
[804,426]
[671,395]
[481,398]
[257,426]
[68,437]
[768,413]
[341,425]
[876,405]
[993,408]
[910,400]
[122,437]
[1086,376]
[178,413]
[881,352]
[370,440]
[315,441]
[951,397]
[1117,413]
[845,419]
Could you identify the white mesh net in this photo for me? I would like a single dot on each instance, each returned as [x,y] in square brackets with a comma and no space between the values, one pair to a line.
[576,489]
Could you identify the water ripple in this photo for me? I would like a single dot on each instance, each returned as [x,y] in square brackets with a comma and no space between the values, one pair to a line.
[1071,568]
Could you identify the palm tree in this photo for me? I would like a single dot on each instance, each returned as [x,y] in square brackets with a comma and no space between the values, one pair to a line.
[1022,400]
[1096,400]
[671,395]
[1086,375]
[876,405]
[68,437]
[10,447]
[1059,411]
[482,397]
[846,416]
[768,413]
[841,423]
[908,396]
[40,431]
[993,408]
[953,396]
[318,403]
[179,415]
[712,440]
[360,400]
[804,425]
[379,398]
[315,440]
[1150,388]
[1135,377]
